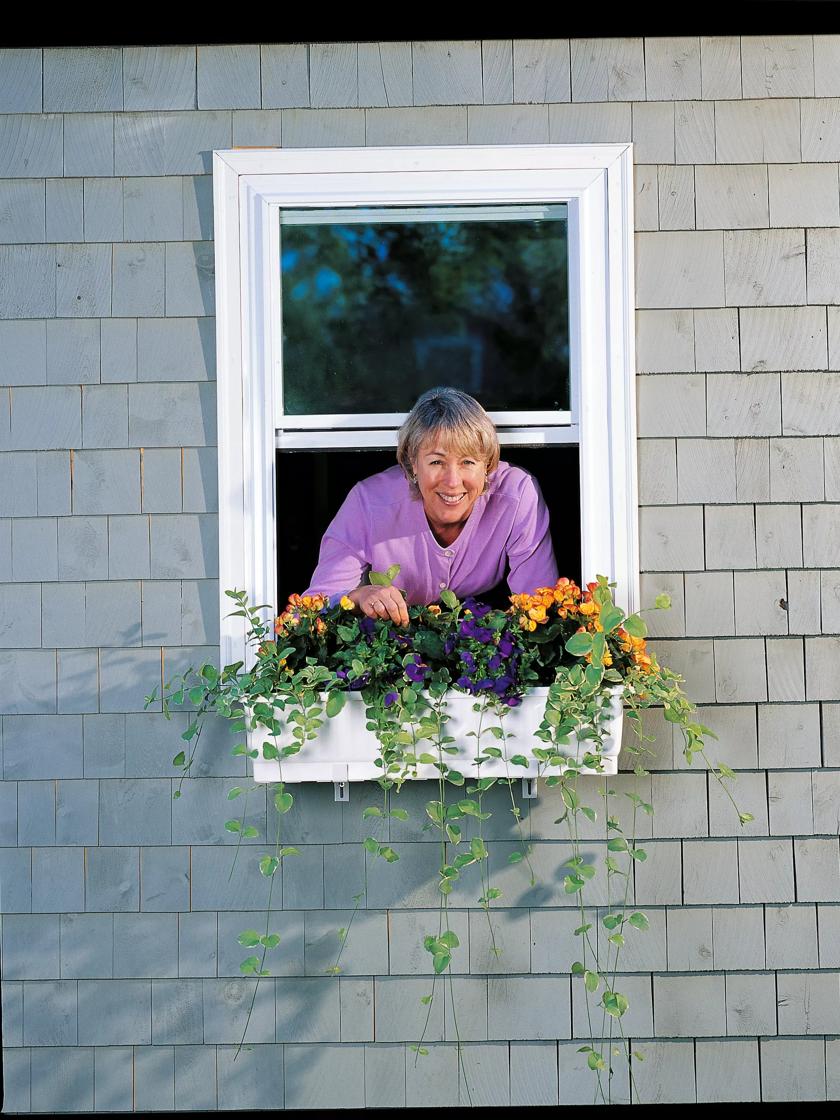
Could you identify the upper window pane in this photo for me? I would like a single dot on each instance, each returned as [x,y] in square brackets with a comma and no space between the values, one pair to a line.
[380,304]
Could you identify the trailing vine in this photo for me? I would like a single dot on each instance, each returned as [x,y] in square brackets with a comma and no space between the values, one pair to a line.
[578,645]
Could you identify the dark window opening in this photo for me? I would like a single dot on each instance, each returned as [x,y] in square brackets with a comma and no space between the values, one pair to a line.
[317,482]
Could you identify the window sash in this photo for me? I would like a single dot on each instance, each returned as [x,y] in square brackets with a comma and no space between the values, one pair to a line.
[539,435]
[487,210]
[595,180]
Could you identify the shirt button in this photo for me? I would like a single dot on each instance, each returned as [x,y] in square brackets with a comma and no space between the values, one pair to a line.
[442,584]
[449,552]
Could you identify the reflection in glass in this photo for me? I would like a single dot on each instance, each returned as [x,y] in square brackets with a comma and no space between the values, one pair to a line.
[380,305]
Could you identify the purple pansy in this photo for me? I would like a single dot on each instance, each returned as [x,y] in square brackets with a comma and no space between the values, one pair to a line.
[390,698]
[469,629]
[416,671]
[478,610]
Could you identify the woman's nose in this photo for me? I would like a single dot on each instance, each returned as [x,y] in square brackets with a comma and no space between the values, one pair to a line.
[452,476]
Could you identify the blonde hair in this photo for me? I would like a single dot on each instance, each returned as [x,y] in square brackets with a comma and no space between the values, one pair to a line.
[458,419]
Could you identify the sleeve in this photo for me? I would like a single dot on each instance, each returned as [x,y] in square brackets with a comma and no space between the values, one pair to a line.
[342,562]
[529,549]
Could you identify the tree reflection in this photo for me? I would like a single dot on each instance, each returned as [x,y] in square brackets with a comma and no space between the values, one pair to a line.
[375,313]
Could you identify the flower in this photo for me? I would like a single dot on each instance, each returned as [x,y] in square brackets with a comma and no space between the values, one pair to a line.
[433,608]
[390,698]
[346,604]
[416,670]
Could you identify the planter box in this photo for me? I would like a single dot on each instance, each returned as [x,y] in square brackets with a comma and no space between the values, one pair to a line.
[345,750]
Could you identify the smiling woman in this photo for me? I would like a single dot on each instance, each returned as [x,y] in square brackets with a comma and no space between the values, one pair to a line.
[451,514]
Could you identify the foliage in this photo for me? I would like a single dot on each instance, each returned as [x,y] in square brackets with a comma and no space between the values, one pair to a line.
[577,642]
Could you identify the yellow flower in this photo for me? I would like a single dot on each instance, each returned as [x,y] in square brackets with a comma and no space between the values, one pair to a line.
[434,608]
[346,603]
[537,613]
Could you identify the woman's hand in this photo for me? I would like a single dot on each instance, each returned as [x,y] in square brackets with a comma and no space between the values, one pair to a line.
[381,602]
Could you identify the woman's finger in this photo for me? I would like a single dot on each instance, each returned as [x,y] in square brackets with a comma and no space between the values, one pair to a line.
[397,607]
[403,610]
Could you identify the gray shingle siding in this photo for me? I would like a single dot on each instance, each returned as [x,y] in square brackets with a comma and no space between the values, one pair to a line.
[121,987]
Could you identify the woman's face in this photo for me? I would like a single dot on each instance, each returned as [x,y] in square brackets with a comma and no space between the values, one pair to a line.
[449,482]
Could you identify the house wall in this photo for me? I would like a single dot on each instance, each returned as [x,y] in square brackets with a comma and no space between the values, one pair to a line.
[119,956]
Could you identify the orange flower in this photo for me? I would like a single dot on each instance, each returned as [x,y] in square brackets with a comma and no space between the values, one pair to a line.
[588,608]
[434,608]
[537,613]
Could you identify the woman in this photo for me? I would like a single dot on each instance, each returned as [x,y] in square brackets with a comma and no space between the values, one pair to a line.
[450,514]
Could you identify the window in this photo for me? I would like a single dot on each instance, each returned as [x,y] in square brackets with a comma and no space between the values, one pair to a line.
[350,280]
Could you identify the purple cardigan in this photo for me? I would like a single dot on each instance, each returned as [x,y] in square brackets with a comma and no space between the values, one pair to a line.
[380,524]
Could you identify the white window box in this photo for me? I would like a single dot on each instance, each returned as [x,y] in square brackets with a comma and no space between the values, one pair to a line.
[346,751]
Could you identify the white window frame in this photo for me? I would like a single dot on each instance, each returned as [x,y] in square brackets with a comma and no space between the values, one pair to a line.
[249,188]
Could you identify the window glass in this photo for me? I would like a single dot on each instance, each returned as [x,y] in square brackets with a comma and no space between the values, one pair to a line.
[379,305]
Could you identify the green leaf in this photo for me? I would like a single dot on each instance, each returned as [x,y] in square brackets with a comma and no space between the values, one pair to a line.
[386,578]
[662,602]
[179,759]
[235,792]
[268,865]
[371,811]
[636,626]
[515,857]
[591,981]
[519,760]
[478,849]
[615,1003]
[249,937]
[639,920]
[449,598]
[425,999]
[233,826]
[579,644]
[335,702]
[249,965]
[611,617]
[250,832]
[440,961]
[449,939]
[289,852]
[388,854]
[271,940]
[400,814]
[283,801]
[371,845]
